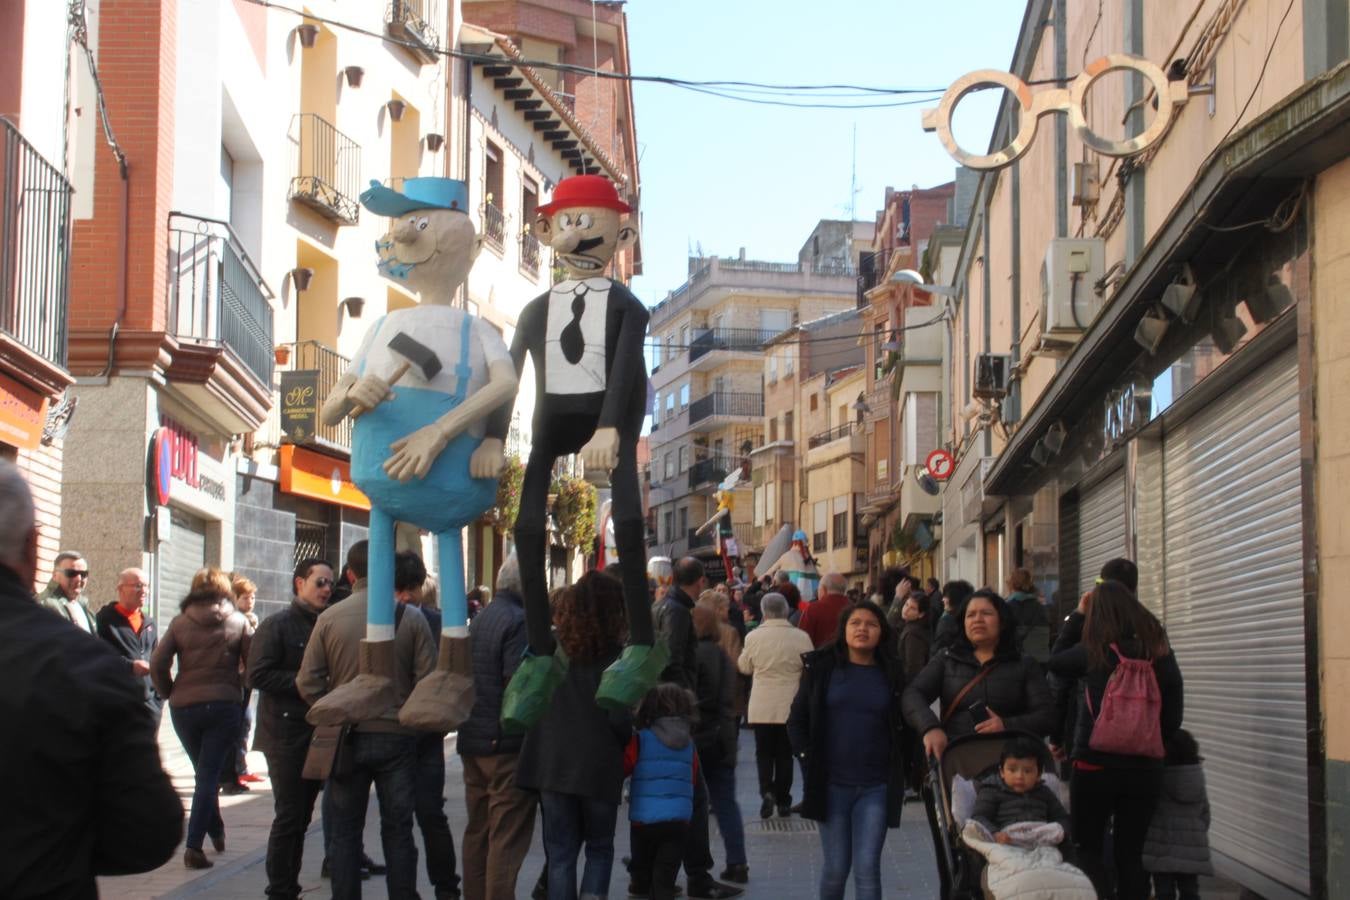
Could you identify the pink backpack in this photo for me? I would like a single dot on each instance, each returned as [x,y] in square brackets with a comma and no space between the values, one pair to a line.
[1130,720]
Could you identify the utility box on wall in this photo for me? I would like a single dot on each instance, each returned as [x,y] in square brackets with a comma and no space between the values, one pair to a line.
[1069,276]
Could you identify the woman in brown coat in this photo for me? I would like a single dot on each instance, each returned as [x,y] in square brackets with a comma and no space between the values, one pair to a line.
[211,640]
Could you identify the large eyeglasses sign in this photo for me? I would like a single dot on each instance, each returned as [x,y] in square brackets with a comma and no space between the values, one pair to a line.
[1057,100]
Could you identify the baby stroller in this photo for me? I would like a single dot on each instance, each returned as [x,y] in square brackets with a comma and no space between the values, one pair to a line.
[970,757]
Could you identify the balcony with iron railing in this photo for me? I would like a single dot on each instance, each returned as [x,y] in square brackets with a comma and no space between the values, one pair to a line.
[839,432]
[708,275]
[34,260]
[530,255]
[221,318]
[409,22]
[708,473]
[326,169]
[735,340]
[719,407]
[494,226]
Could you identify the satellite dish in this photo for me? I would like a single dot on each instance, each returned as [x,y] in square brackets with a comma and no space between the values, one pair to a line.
[926,482]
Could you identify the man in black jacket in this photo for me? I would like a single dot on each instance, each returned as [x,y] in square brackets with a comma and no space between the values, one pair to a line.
[84,792]
[126,627]
[501,815]
[282,733]
[674,622]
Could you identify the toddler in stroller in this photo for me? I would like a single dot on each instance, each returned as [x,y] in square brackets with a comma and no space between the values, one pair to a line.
[1001,841]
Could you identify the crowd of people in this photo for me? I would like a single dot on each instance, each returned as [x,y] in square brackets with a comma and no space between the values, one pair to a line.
[861,690]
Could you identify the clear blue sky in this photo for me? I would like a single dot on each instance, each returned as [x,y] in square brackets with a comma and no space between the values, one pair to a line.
[729,175]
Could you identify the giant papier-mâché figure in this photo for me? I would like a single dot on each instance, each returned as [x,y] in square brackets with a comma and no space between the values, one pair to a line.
[585,336]
[420,389]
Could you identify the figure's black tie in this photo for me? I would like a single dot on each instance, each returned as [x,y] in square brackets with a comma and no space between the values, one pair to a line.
[572,341]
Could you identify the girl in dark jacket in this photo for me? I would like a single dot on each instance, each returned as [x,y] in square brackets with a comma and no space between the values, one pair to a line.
[1111,786]
[983,681]
[847,729]
[715,735]
[574,756]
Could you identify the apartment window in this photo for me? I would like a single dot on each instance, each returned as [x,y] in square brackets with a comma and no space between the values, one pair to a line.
[682,520]
[821,521]
[529,202]
[787,425]
[839,523]
[670,404]
[670,349]
[670,464]
[670,526]
[773,429]
[773,369]
[815,402]
[771,503]
[758,517]
[684,395]
[493,174]
[684,337]
[656,410]
[684,459]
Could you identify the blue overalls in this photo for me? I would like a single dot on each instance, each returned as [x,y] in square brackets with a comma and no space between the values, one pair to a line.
[443,502]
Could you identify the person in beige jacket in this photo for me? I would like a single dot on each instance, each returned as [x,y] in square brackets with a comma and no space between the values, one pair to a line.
[773,657]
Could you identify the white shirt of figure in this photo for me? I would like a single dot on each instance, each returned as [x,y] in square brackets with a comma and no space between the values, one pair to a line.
[438,328]
[587,376]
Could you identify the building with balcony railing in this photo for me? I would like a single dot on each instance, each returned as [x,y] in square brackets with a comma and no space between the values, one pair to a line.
[327,172]
[35,212]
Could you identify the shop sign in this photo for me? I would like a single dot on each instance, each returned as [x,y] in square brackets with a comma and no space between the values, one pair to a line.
[23,413]
[319,477]
[1126,411]
[180,471]
[299,404]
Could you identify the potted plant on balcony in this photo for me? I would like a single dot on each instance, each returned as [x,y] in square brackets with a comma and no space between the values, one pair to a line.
[575,509]
[283,354]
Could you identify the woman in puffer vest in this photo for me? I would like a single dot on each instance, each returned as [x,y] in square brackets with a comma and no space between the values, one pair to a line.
[1176,850]
[664,766]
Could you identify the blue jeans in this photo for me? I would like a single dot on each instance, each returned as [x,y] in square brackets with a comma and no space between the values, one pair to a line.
[389,761]
[429,807]
[722,798]
[570,820]
[852,834]
[208,732]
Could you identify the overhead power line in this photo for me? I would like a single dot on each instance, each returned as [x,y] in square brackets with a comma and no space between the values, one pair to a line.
[727,89]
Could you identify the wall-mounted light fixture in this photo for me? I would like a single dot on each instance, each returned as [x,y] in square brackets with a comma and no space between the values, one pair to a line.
[434,141]
[1182,297]
[354,74]
[353,306]
[915,280]
[1265,303]
[1054,438]
[396,108]
[308,34]
[1151,330]
[1228,330]
[300,278]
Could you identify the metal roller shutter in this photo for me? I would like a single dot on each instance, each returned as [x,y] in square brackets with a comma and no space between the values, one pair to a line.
[179,558]
[1233,602]
[1101,527]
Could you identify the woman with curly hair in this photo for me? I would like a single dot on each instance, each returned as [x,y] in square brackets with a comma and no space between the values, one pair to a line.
[574,756]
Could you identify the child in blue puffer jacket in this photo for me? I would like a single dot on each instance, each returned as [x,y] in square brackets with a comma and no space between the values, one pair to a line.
[664,767]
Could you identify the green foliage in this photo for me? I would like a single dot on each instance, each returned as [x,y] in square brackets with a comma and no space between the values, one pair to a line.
[503,513]
[903,542]
[574,506]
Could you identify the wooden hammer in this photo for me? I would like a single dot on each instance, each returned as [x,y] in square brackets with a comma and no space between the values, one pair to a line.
[410,352]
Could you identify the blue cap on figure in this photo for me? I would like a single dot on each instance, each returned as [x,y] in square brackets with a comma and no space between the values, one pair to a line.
[417,193]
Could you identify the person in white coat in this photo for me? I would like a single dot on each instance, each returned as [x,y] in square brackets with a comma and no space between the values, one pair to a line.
[773,657]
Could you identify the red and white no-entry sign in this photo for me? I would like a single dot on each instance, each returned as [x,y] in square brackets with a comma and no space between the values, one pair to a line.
[940,464]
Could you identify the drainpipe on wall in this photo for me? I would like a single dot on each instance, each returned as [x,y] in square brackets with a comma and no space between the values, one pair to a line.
[1061,26]
[1134,93]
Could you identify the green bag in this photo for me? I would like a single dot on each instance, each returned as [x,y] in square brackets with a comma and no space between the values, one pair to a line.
[632,675]
[530,692]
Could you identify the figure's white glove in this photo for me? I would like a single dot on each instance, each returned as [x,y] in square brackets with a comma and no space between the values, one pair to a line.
[602,450]
[369,391]
[488,460]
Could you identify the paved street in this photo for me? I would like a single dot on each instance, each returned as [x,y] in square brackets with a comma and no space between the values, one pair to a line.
[784,854]
[784,857]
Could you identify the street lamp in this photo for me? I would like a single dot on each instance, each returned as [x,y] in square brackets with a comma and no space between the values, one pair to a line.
[914,279]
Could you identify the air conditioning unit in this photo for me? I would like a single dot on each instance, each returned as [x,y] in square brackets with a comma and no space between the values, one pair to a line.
[991,376]
[1069,300]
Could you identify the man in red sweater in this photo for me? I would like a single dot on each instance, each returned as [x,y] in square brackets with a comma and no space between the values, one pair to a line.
[820,619]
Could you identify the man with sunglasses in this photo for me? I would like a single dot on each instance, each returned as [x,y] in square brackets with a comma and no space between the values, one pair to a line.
[65,595]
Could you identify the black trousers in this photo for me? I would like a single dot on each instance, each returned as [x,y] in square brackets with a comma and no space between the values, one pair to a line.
[556,436]
[293,803]
[698,859]
[1176,887]
[657,848]
[429,810]
[773,759]
[1128,795]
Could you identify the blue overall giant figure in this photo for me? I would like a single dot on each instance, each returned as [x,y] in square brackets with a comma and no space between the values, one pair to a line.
[420,390]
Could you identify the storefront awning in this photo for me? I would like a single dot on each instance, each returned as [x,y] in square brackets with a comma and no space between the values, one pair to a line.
[1305,134]
[319,477]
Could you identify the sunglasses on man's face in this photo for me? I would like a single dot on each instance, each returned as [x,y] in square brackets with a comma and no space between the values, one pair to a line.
[75,573]
[324,582]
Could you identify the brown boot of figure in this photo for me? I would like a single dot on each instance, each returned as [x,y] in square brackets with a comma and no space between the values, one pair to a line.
[368,696]
[444,699]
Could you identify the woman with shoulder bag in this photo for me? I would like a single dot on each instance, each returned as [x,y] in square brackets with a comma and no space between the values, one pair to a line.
[846,728]
[1130,704]
[984,682]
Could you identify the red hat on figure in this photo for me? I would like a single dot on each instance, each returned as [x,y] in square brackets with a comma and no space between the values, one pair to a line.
[584,190]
